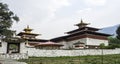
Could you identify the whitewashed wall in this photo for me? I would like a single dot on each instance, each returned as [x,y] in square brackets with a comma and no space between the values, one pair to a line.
[14,56]
[23,48]
[91,41]
[70,43]
[86,41]
[3,48]
[56,53]
[65,44]
[83,40]
[22,55]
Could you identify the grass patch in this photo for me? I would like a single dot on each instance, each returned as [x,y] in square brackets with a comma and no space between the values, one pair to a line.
[96,59]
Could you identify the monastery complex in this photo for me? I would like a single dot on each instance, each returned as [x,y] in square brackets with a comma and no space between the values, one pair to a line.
[82,38]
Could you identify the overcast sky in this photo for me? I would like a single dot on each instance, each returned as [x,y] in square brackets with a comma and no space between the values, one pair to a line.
[52,18]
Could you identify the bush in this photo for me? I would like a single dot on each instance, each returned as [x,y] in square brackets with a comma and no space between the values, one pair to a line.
[102,46]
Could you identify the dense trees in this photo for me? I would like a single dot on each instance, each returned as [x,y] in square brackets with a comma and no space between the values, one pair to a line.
[7,17]
[114,42]
[118,32]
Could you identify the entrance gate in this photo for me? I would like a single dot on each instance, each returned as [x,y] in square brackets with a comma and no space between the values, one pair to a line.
[13,48]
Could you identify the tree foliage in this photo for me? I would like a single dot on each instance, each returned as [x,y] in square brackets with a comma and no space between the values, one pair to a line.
[118,32]
[7,17]
[113,43]
[113,40]
[102,46]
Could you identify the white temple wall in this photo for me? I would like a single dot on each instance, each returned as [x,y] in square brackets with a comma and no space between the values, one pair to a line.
[23,48]
[83,40]
[91,41]
[65,44]
[87,41]
[69,44]
[3,48]
[57,53]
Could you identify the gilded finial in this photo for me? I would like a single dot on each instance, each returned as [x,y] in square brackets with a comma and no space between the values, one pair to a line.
[81,21]
[82,24]
[27,29]
[27,26]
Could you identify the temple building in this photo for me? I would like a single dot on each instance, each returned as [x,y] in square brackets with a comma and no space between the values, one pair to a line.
[30,37]
[32,41]
[83,37]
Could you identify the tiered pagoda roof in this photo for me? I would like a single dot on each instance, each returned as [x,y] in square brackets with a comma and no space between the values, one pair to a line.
[83,27]
[28,35]
[27,31]
[83,31]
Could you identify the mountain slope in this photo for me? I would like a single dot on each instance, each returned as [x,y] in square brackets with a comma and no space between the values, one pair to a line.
[109,30]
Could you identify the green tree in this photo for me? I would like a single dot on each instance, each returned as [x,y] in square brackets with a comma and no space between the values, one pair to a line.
[102,45]
[7,17]
[118,32]
[113,42]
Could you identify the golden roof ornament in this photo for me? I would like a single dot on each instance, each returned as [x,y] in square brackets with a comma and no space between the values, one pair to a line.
[28,30]
[27,26]
[82,24]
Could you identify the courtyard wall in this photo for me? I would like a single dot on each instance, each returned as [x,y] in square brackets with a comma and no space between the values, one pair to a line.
[57,53]
[14,56]
[3,48]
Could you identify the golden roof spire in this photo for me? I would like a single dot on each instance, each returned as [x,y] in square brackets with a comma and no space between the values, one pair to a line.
[82,24]
[81,21]
[28,30]
[27,26]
